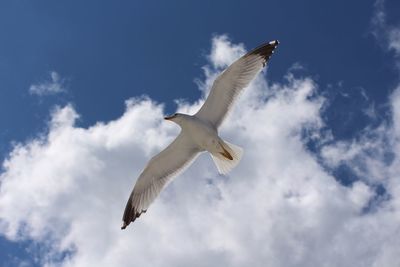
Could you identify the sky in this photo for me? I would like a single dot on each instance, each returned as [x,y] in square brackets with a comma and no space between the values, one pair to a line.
[84,87]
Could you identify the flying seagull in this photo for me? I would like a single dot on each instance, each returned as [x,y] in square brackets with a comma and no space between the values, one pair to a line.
[199,133]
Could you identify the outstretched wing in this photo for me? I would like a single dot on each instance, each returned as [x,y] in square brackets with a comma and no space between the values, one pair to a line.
[158,172]
[231,81]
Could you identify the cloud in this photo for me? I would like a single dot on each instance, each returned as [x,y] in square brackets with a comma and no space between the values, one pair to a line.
[51,87]
[386,35]
[280,207]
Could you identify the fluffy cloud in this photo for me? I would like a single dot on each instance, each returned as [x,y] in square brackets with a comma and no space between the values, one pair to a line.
[51,87]
[280,207]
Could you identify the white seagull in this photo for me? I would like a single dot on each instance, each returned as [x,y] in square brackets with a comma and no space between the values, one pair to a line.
[199,133]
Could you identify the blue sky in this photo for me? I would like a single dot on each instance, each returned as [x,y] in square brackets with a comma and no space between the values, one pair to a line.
[109,52]
[97,55]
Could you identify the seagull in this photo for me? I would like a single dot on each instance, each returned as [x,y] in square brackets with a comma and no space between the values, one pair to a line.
[199,133]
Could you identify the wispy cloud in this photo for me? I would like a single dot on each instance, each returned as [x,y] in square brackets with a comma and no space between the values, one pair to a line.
[386,35]
[49,87]
[72,183]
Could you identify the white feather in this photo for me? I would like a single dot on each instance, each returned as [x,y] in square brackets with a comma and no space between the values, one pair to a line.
[231,82]
[159,171]
[225,165]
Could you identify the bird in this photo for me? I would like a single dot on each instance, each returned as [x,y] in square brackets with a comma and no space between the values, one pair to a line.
[199,133]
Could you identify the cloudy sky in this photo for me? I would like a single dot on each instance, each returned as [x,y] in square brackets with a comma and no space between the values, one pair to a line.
[83,90]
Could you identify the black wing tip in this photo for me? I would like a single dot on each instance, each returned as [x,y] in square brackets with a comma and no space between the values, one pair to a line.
[274,42]
[130,214]
[265,50]
[124,225]
[131,217]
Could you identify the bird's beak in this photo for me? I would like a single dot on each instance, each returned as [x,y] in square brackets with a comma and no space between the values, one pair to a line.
[170,117]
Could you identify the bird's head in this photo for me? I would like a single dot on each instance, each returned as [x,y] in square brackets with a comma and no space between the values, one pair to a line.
[176,117]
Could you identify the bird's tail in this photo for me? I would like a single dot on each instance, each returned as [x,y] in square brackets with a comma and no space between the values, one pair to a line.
[228,158]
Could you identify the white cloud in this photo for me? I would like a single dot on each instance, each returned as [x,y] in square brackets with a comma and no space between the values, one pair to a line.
[386,35]
[279,207]
[394,40]
[51,87]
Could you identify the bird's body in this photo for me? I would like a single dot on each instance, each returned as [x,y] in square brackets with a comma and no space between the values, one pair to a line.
[198,130]
[199,133]
[203,135]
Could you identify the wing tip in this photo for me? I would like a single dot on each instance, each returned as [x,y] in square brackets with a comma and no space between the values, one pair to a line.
[131,218]
[130,214]
[124,225]
[274,42]
[265,50]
